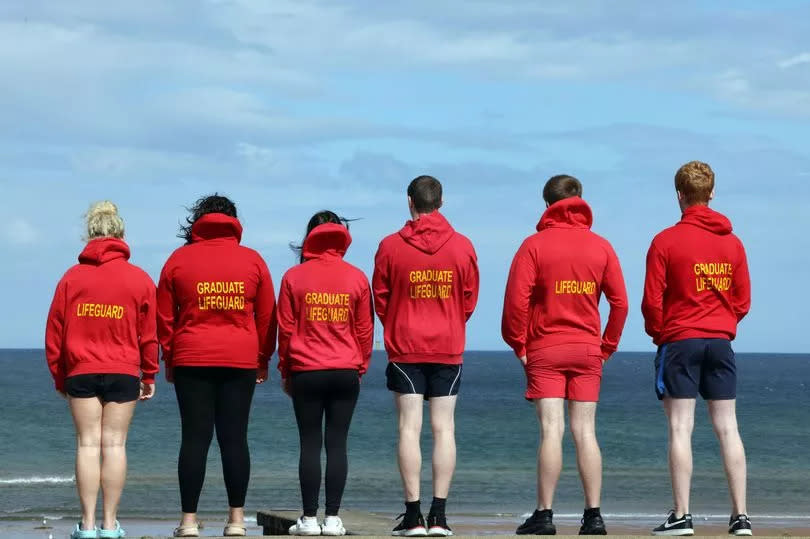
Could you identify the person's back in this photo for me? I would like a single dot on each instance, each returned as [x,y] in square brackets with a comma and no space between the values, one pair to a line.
[551,321]
[217,331]
[101,347]
[564,269]
[699,283]
[216,300]
[427,282]
[425,289]
[108,303]
[327,308]
[326,333]
[696,290]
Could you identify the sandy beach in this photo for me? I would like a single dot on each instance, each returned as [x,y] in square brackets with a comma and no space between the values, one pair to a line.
[464,525]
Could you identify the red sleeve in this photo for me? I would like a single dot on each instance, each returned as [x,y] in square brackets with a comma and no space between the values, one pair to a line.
[166,313]
[380,283]
[54,336]
[655,284]
[616,293]
[471,285]
[741,289]
[286,325]
[265,315]
[364,325]
[147,334]
[519,286]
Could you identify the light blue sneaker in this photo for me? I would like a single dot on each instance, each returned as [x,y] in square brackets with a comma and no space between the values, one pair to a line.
[112,534]
[79,533]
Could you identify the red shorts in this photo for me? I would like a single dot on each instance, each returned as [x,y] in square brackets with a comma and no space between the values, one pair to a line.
[565,371]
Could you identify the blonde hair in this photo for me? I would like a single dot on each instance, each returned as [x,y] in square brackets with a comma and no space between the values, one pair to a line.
[103,221]
[695,181]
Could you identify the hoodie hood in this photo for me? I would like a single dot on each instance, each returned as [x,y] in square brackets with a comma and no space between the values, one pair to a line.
[213,226]
[102,250]
[329,239]
[429,233]
[571,212]
[707,219]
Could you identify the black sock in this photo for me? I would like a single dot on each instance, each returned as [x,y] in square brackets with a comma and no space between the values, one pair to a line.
[437,506]
[412,509]
[592,512]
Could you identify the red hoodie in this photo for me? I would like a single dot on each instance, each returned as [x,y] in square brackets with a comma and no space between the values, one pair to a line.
[102,319]
[425,289]
[556,280]
[216,305]
[325,314]
[697,283]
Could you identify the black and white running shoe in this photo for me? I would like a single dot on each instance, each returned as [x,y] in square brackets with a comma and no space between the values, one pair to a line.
[437,526]
[540,523]
[411,526]
[675,526]
[739,525]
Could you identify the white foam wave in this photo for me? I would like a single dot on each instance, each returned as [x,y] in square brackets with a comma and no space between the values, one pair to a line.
[38,480]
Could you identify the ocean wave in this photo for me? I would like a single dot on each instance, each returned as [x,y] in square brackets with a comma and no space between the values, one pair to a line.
[38,480]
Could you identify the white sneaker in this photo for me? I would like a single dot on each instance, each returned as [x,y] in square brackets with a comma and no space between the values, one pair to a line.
[333,526]
[306,526]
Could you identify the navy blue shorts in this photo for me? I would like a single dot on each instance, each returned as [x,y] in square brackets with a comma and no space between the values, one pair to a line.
[691,366]
[428,379]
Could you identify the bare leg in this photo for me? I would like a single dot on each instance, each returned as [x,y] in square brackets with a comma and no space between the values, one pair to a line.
[87,418]
[582,417]
[724,419]
[442,422]
[681,416]
[551,413]
[115,425]
[409,454]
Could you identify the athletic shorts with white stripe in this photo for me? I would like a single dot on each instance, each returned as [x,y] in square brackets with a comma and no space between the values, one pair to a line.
[428,379]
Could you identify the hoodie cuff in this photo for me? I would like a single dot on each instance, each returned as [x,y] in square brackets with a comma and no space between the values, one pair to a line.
[148,378]
[520,352]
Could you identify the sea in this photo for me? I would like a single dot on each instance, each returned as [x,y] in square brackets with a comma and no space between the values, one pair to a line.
[496,432]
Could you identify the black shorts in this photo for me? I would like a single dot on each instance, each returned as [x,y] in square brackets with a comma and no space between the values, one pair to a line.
[108,387]
[428,379]
[691,366]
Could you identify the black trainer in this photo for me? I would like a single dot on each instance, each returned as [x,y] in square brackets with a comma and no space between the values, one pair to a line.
[592,524]
[540,523]
[739,525]
[675,526]
[437,526]
[411,526]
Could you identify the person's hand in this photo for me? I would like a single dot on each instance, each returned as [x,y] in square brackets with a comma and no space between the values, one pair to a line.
[261,375]
[169,372]
[147,391]
[604,360]
[286,385]
[523,360]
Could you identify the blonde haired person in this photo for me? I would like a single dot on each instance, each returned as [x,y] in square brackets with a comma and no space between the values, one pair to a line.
[101,347]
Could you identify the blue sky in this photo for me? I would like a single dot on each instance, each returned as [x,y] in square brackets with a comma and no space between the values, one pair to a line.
[292,106]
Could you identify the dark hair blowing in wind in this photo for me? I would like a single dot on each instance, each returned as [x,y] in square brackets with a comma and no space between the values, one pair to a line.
[215,203]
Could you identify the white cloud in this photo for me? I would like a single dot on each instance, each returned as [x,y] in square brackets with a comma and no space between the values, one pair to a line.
[20,232]
[799,59]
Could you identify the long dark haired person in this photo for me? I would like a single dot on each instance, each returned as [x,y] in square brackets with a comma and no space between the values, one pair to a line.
[102,351]
[217,330]
[326,331]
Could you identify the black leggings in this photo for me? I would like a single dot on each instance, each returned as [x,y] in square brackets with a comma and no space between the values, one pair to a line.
[317,393]
[210,396]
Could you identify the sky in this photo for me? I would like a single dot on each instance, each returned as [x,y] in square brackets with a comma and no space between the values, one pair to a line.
[293,106]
